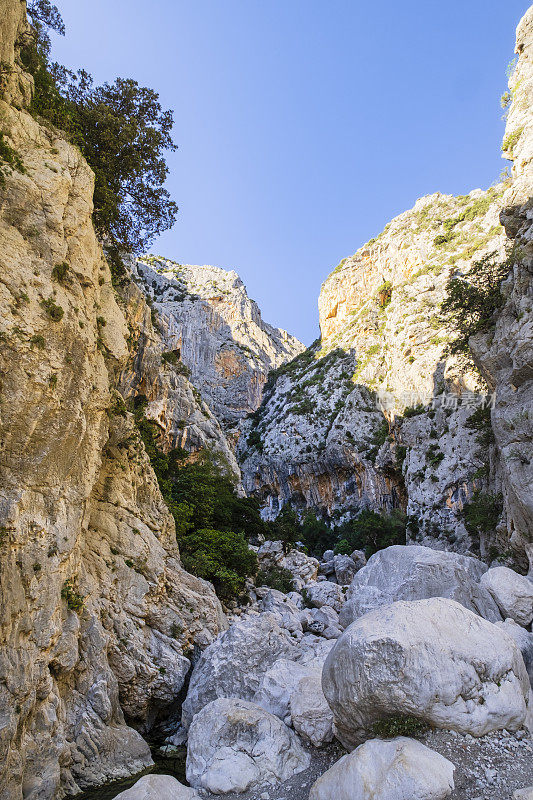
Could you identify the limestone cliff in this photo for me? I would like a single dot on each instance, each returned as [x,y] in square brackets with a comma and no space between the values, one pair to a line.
[94,604]
[397,420]
[216,335]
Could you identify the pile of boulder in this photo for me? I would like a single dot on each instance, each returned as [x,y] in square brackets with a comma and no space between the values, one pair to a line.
[413,633]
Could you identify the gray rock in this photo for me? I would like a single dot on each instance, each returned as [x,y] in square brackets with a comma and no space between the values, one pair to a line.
[235,745]
[512,592]
[523,794]
[158,787]
[401,769]
[282,606]
[415,573]
[325,593]
[433,659]
[310,713]
[524,641]
[233,665]
[345,569]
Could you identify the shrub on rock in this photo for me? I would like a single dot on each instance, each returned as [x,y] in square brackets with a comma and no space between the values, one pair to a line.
[432,659]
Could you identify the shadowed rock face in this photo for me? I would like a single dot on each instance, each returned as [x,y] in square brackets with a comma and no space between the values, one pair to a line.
[336,431]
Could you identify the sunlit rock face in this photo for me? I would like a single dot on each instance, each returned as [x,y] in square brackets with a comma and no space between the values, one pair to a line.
[208,319]
[94,603]
[378,414]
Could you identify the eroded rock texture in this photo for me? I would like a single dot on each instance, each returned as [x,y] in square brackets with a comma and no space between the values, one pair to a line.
[378,414]
[94,604]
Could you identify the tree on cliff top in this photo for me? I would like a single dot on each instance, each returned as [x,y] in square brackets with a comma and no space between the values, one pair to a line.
[122,131]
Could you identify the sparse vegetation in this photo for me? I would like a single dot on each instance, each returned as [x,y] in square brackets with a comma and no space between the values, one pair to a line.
[9,160]
[276,578]
[54,311]
[70,593]
[399,725]
[59,272]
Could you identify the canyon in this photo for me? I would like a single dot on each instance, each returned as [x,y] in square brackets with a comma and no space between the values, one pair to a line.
[102,630]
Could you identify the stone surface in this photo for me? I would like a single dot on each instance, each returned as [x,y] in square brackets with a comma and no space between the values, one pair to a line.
[282,606]
[325,593]
[400,769]
[310,713]
[233,665]
[415,573]
[218,331]
[512,592]
[523,794]
[433,659]
[524,641]
[234,745]
[345,569]
[158,787]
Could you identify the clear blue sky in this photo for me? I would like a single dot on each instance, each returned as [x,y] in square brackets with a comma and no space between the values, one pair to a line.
[305,125]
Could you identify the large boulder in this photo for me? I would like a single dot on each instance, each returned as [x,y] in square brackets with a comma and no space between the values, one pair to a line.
[233,664]
[433,659]
[293,692]
[414,572]
[158,787]
[512,592]
[277,685]
[270,553]
[283,607]
[310,713]
[325,593]
[323,621]
[400,769]
[303,567]
[524,641]
[235,745]
[345,569]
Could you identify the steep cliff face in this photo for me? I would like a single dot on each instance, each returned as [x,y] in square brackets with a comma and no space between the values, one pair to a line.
[506,358]
[94,603]
[398,421]
[207,319]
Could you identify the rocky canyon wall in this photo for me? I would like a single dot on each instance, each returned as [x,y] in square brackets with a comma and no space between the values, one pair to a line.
[398,421]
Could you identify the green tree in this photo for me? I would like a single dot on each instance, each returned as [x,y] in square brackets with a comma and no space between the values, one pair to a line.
[286,527]
[473,299]
[372,532]
[122,131]
[222,557]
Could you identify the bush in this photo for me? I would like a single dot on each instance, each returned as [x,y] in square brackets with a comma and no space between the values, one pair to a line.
[399,725]
[70,593]
[54,311]
[481,515]
[9,160]
[471,301]
[276,577]
[59,272]
[222,557]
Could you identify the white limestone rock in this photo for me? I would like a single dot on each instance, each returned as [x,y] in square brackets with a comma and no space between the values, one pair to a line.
[270,553]
[277,685]
[524,641]
[523,794]
[235,745]
[158,787]
[400,769]
[310,713]
[414,573]
[303,567]
[512,592]
[282,606]
[433,659]
[233,664]
[325,593]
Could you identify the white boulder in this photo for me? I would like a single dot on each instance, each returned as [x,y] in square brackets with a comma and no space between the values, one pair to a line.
[433,659]
[414,572]
[524,640]
[234,745]
[523,794]
[325,593]
[512,592]
[233,664]
[310,713]
[400,769]
[277,685]
[282,606]
[158,787]
[270,553]
[303,567]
